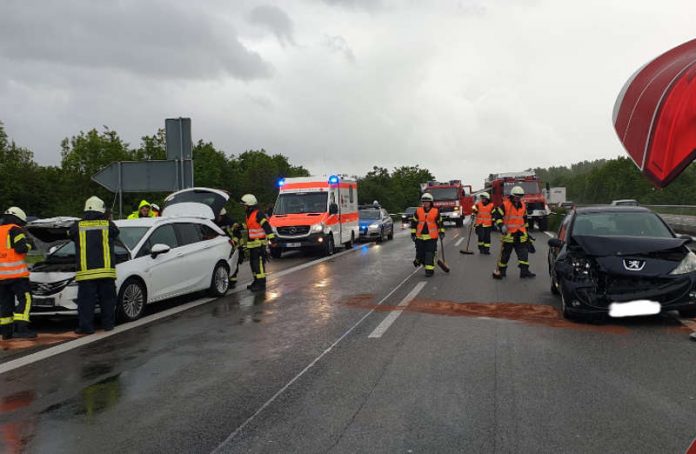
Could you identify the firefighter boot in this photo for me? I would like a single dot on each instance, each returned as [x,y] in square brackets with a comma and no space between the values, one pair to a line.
[6,331]
[499,273]
[259,285]
[525,273]
[22,330]
[416,263]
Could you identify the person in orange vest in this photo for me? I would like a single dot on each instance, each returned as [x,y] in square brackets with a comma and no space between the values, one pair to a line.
[483,209]
[14,276]
[426,228]
[511,216]
[259,233]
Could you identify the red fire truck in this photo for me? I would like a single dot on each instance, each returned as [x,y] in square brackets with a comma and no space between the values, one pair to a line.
[453,199]
[500,185]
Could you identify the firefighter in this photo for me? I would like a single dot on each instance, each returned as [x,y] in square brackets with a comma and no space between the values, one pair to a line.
[14,276]
[426,228]
[511,216]
[144,211]
[155,210]
[234,231]
[483,210]
[94,238]
[259,233]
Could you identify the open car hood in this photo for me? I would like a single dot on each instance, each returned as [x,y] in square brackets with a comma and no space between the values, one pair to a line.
[50,230]
[602,246]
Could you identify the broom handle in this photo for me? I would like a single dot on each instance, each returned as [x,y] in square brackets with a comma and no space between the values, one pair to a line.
[471,227]
[442,248]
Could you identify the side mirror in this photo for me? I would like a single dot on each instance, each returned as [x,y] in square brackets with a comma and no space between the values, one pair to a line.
[556,243]
[333,209]
[688,238]
[158,249]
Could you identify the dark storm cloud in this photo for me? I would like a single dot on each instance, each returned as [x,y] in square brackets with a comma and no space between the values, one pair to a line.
[163,39]
[274,19]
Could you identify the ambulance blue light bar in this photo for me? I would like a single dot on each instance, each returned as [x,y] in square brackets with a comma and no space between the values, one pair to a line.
[281,182]
[333,179]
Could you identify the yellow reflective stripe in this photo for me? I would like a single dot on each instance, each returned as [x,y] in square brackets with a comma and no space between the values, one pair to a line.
[6,320]
[263,221]
[106,249]
[21,236]
[502,265]
[523,262]
[254,243]
[24,317]
[83,250]
[94,223]
[429,267]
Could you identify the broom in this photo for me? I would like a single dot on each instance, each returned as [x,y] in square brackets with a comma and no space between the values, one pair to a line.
[441,261]
[468,241]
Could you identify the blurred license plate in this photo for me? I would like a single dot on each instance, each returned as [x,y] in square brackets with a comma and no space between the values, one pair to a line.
[43,302]
[293,244]
[634,308]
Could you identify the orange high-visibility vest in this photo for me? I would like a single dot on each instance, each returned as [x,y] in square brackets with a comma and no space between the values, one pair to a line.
[254,228]
[12,264]
[484,214]
[429,218]
[514,217]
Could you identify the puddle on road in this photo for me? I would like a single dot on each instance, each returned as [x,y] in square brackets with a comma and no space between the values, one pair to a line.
[538,314]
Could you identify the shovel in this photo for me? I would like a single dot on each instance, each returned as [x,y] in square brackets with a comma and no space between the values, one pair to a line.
[441,261]
[468,241]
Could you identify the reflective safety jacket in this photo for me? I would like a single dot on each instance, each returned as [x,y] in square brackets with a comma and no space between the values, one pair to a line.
[514,217]
[13,251]
[427,225]
[136,213]
[258,229]
[94,239]
[484,214]
[231,228]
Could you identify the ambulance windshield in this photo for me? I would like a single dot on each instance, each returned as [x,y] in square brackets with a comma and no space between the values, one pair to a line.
[301,202]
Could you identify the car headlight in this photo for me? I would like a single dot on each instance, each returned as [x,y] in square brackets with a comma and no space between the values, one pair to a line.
[581,266]
[374,226]
[687,265]
[317,228]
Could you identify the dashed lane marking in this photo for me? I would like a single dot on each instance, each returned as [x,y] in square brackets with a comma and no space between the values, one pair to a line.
[459,241]
[391,318]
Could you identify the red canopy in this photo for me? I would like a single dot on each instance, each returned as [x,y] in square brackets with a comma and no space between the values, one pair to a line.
[655,114]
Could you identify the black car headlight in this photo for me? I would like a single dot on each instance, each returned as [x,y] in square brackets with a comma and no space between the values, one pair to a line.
[581,266]
[687,265]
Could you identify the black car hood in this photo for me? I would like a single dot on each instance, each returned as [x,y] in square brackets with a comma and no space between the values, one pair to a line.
[52,229]
[603,246]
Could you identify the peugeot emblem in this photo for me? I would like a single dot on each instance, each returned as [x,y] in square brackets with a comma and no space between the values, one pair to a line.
[634,264]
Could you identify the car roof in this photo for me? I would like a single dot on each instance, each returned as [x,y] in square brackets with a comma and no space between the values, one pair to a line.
[612,209]
[150,222]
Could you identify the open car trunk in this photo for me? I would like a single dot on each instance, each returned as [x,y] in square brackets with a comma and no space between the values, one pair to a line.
[196,202]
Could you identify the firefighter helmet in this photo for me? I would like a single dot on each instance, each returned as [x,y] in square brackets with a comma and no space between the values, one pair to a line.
[517,191]
[485,195]
[427,197]
[18,213]
[94,203]
[249,200]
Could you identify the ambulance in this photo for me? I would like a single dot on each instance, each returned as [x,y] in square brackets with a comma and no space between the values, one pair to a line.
[318,213]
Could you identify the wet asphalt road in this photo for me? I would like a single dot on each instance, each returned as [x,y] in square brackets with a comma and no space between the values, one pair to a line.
[469,365]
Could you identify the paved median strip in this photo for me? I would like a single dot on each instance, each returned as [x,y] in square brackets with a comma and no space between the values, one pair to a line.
[391,318]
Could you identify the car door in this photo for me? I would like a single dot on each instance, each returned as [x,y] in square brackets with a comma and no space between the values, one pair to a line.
[563,236]
[388,222]
[161,273]
[197,260]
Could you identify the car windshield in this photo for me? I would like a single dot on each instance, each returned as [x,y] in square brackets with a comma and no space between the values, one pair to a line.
[301,202]
[642,224]
[444,193]
[410,210]
[130,236]
[530,187]
[369,214]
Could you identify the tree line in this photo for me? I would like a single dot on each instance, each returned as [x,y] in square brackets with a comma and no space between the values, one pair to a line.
[604,180]
[46,191]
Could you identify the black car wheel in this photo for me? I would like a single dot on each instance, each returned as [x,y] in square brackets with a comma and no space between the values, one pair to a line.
[132,298]
[391,234]
[349,244]
[688,312]
[328,246]
[276,252]
[381,235]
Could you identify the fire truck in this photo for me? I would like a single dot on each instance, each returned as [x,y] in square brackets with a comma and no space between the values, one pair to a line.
[500,184]
[453,199]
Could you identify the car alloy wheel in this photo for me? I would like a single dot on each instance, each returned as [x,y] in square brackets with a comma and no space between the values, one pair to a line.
[220,282]
[132,300]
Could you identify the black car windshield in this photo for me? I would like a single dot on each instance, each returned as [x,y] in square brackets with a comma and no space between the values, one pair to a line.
[369,214]
[130,236]
[301,202]
[444,193]
[641,224]
[530,187]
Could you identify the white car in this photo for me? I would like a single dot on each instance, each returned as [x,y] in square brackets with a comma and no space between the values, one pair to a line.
[156,259]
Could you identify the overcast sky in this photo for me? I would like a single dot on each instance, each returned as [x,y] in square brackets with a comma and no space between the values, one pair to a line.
[464,88]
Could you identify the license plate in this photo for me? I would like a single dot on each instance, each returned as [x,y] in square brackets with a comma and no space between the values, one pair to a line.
[293,244]
[634,308]
[43,302]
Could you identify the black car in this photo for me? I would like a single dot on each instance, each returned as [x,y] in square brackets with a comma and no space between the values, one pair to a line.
[621,261]
[407,215]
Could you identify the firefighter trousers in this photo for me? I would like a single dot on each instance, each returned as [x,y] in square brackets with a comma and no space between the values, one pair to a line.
[519,244]
[257,260]
[91,292]
[240,260]
[9,290]
[484,237]
[425,254]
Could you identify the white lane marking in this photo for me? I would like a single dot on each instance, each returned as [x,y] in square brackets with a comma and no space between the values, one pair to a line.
[551,235]
[391,318]
[689,323]
[309,366]
[82,341]
[459,241]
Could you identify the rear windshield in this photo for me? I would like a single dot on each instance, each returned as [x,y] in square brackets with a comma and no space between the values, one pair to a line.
[621,224]
[130,236]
